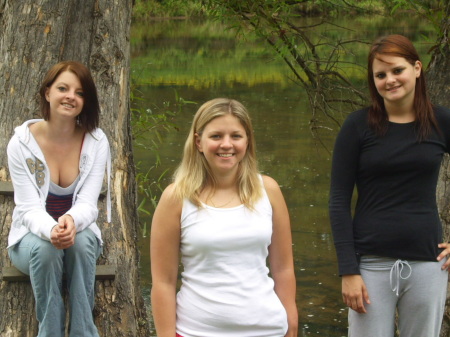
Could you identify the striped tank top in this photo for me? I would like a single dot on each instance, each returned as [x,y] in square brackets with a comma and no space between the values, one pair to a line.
[59,199]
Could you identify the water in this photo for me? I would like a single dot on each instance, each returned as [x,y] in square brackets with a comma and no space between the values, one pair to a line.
[199,61]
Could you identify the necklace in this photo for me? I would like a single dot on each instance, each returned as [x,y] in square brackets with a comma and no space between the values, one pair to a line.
[220,206]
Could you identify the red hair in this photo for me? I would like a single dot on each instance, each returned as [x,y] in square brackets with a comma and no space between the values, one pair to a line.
[399,45]
[90,114]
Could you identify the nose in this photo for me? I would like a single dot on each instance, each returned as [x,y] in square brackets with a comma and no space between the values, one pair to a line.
[70,94]
[390,78]
[226,142]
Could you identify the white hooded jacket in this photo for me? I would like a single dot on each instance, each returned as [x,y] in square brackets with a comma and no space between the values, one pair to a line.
[31,180]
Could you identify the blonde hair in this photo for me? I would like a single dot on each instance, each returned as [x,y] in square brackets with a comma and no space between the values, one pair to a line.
[194,172]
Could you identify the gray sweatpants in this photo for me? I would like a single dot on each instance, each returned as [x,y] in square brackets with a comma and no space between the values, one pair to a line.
[417,289]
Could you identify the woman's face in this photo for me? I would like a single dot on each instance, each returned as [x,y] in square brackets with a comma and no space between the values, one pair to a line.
[395,78]
[224,143]
[65,96]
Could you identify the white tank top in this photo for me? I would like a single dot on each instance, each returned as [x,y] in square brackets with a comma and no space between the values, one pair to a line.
[226,290]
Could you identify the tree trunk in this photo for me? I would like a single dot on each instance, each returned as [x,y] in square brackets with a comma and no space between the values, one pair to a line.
[439,86]
[34,35]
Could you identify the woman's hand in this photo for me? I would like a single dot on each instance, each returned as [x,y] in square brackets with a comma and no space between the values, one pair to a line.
[444,254]
[354,293]
[63,234]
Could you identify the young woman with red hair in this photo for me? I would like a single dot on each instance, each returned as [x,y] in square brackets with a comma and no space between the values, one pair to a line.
[390,252]
[57,165]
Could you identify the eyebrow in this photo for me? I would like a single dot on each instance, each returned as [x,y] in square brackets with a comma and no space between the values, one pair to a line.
[394,68]
[219,131]
[64,83]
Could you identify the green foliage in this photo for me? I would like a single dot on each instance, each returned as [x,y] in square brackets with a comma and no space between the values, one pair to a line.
[313,56]
[338,7]
[434,11]
[179,52]
[146,9]
[148,128]
[319,59]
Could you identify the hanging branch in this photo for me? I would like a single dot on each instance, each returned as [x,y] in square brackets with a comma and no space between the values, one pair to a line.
[315,65]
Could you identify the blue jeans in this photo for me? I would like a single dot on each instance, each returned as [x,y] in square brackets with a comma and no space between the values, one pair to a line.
[45,264]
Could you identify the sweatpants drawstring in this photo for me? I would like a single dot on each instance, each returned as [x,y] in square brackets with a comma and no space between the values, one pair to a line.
[396,272]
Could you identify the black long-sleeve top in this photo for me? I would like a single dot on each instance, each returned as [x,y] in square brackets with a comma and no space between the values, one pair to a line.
[395,176]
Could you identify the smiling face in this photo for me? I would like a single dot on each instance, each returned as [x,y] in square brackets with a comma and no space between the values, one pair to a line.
[395,79]
[224,143]
[65,96]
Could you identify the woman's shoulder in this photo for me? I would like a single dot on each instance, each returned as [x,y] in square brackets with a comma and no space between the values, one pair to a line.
[23,131]
[441,108]
[22,134]
[269,182]
[274,195]
[13,147]
[98,134]
[169,203]
[96,142]
[169,190]
[170,196]
[442,112]
[14,141]
[271,186]
[359,116]
[442,115]
[355,126]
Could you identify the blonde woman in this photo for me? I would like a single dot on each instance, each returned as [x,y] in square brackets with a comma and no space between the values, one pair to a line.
[225,220]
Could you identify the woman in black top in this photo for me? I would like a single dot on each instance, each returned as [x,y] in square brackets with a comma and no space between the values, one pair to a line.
[390,253]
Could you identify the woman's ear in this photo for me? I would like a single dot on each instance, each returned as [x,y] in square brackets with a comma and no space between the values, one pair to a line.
[198,142]
[418,68]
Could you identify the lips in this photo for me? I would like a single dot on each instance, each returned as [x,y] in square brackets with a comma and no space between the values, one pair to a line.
[393,88]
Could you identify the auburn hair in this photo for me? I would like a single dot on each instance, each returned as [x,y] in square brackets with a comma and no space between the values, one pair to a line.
[399,45]
[89,117]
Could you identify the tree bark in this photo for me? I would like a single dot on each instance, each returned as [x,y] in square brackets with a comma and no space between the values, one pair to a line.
[34,35]
[439,86]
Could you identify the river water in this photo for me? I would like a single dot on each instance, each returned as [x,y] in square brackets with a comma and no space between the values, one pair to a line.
[199,61]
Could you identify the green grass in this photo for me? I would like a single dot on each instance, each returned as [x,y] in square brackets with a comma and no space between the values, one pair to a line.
[148,9]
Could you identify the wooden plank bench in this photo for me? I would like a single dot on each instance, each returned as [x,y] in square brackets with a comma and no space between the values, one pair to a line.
[12,274]
[6,188]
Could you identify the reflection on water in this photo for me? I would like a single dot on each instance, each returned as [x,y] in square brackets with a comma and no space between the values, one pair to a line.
[200,64]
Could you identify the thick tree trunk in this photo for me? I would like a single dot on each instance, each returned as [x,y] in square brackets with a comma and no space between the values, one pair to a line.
[34,35]
[439,84]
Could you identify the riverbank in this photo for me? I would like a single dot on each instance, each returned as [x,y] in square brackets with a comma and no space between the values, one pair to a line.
[145,10]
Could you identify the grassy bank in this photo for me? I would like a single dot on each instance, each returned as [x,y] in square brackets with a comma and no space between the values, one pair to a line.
[157,9]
